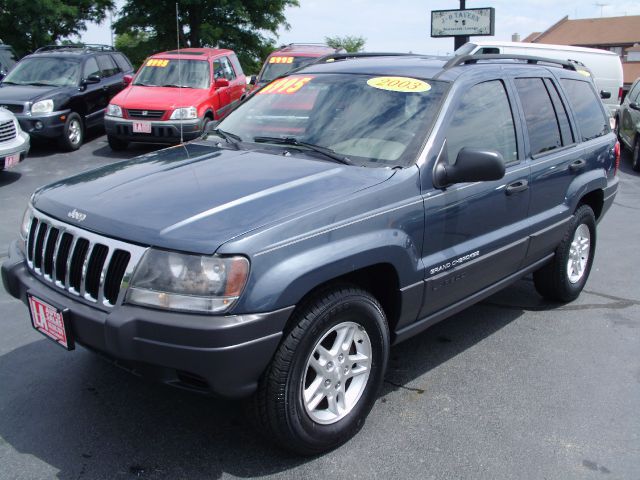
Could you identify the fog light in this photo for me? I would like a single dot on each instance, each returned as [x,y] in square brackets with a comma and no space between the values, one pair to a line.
[39,125]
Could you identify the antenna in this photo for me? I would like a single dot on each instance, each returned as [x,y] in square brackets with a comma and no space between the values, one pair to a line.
[179,73]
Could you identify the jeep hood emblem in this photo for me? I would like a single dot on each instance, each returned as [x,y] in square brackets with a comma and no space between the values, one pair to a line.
[76,215]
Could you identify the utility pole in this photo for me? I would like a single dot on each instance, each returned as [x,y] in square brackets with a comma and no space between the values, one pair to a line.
[460,40]
[601,5]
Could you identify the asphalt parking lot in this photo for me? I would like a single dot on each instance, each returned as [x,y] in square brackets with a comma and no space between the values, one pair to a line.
[511,388]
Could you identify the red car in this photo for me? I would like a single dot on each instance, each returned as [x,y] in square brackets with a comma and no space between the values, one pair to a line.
[287,58]
[174,95]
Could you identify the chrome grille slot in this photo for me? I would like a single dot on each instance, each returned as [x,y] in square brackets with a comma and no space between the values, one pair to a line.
[7,131]
[150,114]
[83,264]
[77,262]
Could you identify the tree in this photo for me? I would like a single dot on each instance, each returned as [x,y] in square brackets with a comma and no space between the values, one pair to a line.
[136,46]
[30,24]
[349,43]
[237,24]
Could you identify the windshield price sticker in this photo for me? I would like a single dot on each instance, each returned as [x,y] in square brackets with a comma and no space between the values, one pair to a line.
[281,60]
[157,62]
[399,84]
[285,86]
[583,73]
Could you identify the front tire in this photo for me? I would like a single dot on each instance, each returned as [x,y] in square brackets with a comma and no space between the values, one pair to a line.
[326,373]
[73,134]
[635,162]
[564,278]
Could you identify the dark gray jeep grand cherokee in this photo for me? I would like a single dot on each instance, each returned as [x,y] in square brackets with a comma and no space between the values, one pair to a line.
[340,210]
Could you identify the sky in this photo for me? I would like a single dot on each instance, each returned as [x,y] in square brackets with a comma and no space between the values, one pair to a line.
[404,25]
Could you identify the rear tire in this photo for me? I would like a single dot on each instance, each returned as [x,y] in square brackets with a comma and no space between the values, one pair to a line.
[326,373]
[564,278]
[635,156]
[116,144]
[73,133]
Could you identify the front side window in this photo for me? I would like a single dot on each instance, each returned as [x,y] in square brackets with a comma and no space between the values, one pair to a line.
[229,74]
[164,72]
[369,119]
[45,71]
[90,68]
[539,114]
[590,116]
[483,120]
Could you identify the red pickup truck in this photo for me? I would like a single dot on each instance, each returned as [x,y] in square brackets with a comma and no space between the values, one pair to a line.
[174,95]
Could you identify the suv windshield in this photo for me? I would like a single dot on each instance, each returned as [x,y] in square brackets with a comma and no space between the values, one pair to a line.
[279,65]
[164,72]
[45,71]
[368,119]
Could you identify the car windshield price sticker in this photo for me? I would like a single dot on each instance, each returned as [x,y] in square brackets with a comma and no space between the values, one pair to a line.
[399,84]
[286,86]
[157,62]
[281,60]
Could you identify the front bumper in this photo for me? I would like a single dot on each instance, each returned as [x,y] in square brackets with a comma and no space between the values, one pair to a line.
[19,145]
[223,355]
[161,131]
[44,125]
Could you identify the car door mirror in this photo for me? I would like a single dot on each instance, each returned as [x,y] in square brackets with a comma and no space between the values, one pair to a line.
[127,79]
[471,166]
[253,79]
[221,82]
[604,94]
[634,106]
[91,79]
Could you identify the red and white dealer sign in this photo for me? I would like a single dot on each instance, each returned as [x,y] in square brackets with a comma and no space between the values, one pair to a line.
[50,321]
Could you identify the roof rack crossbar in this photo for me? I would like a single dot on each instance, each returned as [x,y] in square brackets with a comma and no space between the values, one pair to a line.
[472,59]
[77,46]
[333,57]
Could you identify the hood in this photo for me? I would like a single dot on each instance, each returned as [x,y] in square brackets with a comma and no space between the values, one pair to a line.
[28,93]
[159,98]
[195,197]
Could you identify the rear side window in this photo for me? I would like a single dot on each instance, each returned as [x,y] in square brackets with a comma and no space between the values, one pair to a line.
[107,65]
[590,116]
[561,112]
[483,120]
[236,65]
[123,63]
[90,68]
[634,93]
[539,114]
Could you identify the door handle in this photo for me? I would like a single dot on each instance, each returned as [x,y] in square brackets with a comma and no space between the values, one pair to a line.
[577,165]
[515,187]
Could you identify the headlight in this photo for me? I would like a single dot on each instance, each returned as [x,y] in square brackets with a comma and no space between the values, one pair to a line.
[114,110]
[43,106]
[26,223]
[185,113]
[176,281]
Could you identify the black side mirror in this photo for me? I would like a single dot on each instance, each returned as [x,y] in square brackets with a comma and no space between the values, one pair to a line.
[604,94]
[91,79]
[253,79]
[471,166]
[634,106]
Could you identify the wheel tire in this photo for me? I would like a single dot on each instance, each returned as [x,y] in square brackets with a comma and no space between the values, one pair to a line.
[116,144]
[556,281]
[635,158]
[73,134]
[278,408]
[205,122]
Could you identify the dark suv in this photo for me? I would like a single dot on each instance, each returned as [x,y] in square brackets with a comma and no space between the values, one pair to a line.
[61,90]
[281,255]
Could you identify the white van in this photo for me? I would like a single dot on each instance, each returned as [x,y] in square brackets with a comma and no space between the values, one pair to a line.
[604,65]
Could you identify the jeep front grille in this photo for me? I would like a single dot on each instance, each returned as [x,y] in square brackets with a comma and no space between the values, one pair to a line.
[92,267]
[7,131]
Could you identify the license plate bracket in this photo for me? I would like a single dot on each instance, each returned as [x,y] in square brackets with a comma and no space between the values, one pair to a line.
[51,321]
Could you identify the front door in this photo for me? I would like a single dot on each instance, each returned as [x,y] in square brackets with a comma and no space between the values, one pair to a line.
[475,233]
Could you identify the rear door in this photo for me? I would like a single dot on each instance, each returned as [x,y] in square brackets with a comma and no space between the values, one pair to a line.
[95,98]
[236,84]
[223,94]
[111,76]
[475,233]
[629,117]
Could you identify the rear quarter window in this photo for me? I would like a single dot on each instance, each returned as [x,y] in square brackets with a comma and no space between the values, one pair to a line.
[236,65]
[591,119]
[122,62]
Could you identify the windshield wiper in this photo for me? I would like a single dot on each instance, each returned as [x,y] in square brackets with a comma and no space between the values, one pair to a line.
[11,83]
[227,136]
[173,85]
[40,84]
[294,142]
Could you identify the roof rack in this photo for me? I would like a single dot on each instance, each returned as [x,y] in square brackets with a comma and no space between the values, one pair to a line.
[473,59]
[304,44]
[77,46]
[334,57]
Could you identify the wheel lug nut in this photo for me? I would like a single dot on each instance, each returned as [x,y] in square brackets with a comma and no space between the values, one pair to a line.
[346,370]
[341,357]
[337,385]
[329,365]
[327,383]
